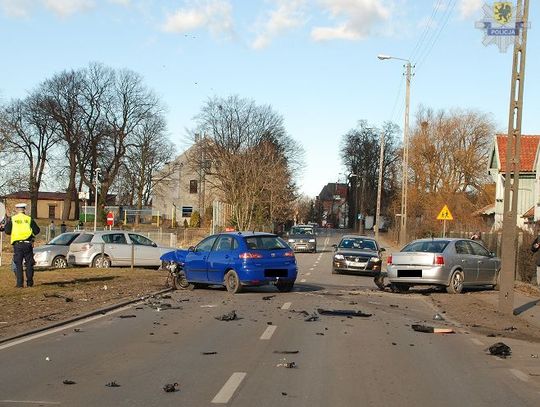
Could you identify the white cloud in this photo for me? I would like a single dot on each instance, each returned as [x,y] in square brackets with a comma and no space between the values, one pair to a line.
[360,16]
[121,2]
[287,15]
[16,8]
[215,15]
[467,8]
[64,8]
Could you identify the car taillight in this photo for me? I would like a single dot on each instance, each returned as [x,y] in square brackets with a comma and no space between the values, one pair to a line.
[389,260]
[289,254]
[439,260]
[250,255]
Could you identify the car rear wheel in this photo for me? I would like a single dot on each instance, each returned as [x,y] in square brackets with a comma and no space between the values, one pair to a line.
[101,262]
[456,283]
[59,262]
[285,287]
[232,282]
[400,287]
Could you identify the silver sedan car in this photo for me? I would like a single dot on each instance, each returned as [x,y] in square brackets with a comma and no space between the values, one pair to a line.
[452,263]
[104,249]
[54,253]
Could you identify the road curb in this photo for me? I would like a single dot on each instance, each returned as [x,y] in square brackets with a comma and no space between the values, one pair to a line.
[98,311]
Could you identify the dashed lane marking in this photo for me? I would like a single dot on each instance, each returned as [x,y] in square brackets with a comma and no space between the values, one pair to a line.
[55,403]
[287,305]
[311,269]
[268,332]
[303,280]
[520,375]
[228,389]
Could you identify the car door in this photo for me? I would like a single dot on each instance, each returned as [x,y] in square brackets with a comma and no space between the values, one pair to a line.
[487,265]
[116,246]
[146,252]
[196,266]
[221,258]
[467,261]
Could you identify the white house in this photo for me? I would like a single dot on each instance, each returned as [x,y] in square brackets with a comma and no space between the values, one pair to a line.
[529,181]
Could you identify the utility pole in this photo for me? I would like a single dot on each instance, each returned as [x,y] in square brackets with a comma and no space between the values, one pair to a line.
[96,180]
[513,165]
[379,189]
[405,181]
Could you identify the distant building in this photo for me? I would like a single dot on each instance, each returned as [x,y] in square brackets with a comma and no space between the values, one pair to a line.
[332,205]
[529,181]
[179,190]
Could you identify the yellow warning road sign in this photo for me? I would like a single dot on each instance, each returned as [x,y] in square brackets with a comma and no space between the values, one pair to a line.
[445,214]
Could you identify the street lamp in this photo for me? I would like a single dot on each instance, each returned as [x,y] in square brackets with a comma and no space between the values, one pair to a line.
[96,180]
[403,217]
[379,189]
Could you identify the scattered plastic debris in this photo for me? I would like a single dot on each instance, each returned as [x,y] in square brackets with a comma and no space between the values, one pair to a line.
[300,312]
[287,365]
[431,329]
[268,297]
[319,333]
[66,381]
[105,287]
[208,306]
[438,317]
[500,349]
[511,328]
[534,356]
[343,313]
[312,318]
[112,384]
[394,306]
[127,316]
[56,295]
[491,335]
[166,296]
[209,353]
[283,393]
[77,330]
[230,316]
[287,352]
[48,359]
[170,387]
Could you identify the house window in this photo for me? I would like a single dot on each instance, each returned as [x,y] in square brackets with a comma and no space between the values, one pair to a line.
[52,211]
[187,211]
[193,186]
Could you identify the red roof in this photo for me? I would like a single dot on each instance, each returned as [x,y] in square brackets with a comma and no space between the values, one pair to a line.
[529,213]
[529,145]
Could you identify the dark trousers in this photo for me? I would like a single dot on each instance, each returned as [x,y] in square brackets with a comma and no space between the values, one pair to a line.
[24,251]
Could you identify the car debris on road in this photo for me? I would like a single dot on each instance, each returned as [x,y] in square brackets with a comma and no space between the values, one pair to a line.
[66,381]
[431,329]
[170,387]
[230,316]
[112,384]
[500,349]
[343,313]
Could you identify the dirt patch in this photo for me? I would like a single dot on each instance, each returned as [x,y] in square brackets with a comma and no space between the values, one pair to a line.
[478,312]
[59,295]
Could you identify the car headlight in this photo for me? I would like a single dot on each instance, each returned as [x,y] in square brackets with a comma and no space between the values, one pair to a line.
[311,240]
[40,256]
[375,260]
[339,257]
[291,240]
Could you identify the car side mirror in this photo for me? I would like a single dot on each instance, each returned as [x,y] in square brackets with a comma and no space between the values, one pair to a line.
[191,248]
[154,244]
[382,249]
[492,254]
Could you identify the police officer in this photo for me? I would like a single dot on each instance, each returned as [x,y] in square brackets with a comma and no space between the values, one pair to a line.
[22,229]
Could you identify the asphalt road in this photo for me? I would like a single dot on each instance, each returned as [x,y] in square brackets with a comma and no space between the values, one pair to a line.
[372,361]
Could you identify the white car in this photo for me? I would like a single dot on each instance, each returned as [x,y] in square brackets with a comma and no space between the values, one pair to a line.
[114,248]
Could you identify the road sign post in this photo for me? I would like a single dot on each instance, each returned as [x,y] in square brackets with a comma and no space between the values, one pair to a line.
[110,219]
[445,215]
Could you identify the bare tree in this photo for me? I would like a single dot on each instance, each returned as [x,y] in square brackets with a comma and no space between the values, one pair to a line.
[30,133]
[246,151]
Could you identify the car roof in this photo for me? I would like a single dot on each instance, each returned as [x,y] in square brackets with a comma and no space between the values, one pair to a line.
[247,233]
[439,239]
[357,237]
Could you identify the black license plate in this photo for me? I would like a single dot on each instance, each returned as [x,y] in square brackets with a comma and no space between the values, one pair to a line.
[275,273]
[409,273]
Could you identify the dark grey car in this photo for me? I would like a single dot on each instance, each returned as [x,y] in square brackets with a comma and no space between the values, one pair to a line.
[452,263]
[358,254]
[302,238]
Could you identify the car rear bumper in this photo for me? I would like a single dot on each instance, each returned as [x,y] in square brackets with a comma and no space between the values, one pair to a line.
[417,275]
[267,275]
[79,259]
[304,247]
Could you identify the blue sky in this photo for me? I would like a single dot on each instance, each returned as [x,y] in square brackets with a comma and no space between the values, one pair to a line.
[314,61]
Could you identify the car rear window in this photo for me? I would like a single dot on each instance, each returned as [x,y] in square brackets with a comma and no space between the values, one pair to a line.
[84,238]
[64,239]
[427,246]
[302,230]
[265,243]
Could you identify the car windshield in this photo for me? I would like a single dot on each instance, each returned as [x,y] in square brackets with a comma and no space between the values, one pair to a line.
[427,246]
[302,230]
[265,243]
[65,239]
[358,243]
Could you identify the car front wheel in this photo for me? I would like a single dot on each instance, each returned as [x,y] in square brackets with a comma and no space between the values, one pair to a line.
[59,262]
[456,283]
[180,281]
[232,282]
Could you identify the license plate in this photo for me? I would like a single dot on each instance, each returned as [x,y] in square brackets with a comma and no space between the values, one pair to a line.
[357,264]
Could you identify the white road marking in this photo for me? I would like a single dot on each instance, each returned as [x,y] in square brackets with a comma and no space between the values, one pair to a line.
[229,388]
[30,402]
[477,341]
[303,280]
[268,332]
[308,274]
[520,375]
[287,305]
[311,269]
[62,328]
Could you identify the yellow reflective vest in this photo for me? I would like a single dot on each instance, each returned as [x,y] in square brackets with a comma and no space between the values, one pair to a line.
[22,228]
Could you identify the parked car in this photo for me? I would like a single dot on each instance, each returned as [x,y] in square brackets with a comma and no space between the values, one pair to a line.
[452,263]
[117,247]
[358,254]
[302,238]
[236,260]
[54,253]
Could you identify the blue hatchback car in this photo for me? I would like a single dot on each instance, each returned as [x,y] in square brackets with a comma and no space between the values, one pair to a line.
[235,260]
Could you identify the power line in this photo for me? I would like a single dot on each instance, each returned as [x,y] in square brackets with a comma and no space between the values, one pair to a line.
[429,25]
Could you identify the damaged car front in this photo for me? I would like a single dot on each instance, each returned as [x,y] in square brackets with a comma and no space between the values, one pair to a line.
[357,254]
